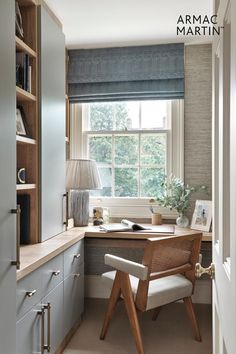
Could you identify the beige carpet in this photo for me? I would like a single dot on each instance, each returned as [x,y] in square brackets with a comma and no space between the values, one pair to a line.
[170,334]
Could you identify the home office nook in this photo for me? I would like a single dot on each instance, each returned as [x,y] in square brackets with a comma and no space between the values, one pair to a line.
[117,170]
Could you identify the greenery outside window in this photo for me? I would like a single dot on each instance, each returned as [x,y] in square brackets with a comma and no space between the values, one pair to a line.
[135,144]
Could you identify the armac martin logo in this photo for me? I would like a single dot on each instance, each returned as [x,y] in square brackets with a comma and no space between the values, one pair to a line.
[192,25]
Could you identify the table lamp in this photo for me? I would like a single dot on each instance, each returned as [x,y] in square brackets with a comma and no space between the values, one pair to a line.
[81,176]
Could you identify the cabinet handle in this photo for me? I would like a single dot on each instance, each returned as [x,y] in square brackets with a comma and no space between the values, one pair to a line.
[77,256]
[66,195]
[56,272]
[17,211]
[48,345]
[77,275]
[42,313]
[30,293]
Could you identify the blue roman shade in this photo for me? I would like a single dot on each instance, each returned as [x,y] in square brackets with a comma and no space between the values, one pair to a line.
[127,73]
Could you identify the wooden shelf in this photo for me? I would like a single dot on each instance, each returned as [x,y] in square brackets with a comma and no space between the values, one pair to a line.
[23,95]
[21,46]
[24,140]
[27,2]
[21,187]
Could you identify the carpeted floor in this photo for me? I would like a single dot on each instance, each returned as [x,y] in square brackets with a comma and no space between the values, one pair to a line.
[170,334]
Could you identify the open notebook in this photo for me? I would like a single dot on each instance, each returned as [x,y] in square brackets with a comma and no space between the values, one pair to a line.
[126,225]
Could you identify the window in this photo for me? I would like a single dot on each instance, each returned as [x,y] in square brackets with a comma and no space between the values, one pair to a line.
[135,144]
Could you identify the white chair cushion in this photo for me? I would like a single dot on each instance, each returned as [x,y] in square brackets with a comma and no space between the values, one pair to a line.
[161,291]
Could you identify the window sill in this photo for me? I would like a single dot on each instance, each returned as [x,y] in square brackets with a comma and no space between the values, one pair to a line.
[130,208]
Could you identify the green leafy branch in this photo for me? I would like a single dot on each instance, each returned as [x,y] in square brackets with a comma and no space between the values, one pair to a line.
[176,195]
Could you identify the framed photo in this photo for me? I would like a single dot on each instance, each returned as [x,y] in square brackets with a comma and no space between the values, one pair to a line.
[202,215]
[21,125]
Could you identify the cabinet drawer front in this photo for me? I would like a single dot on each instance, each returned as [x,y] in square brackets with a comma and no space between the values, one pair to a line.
[29,292]
[28,332]
[73,299]
[52,274]
[73,257]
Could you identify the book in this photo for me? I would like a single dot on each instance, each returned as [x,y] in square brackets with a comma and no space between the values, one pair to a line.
[127,225]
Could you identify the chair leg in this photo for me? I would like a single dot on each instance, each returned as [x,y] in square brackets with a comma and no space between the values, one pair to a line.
[156,313]
[131,311]
[191,314]
[114,297]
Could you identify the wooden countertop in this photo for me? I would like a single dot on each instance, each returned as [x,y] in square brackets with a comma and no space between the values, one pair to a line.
[95,232]
[34,256]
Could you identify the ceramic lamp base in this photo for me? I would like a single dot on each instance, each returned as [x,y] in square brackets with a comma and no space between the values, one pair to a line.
[80,207]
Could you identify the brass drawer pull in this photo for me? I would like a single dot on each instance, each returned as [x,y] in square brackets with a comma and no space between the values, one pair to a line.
[77,256]
[56,272]
[30,293]
[77,275]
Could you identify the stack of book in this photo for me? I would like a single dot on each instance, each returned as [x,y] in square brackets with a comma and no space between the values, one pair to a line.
[23,71]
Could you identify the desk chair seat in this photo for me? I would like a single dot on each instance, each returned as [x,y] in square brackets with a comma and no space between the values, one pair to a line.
[160,292]
[167,274]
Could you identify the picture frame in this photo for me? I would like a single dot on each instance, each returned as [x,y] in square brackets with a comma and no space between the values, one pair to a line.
[202,216]
[20,128]
[21,124]
[18,21]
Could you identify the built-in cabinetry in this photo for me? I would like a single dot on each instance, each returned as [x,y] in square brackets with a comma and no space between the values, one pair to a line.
[50,302]
[40,92]
[27,138]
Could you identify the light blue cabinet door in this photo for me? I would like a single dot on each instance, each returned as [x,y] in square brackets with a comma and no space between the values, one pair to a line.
[73,298]
[55,299]
[28,332]
[52,118]
[7,177]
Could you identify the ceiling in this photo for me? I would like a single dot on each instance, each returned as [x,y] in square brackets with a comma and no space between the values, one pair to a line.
[111,23]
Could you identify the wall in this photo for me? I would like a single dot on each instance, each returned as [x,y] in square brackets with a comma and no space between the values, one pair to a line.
[198,111]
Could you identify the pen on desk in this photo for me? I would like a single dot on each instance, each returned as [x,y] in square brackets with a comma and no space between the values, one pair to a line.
[151,209]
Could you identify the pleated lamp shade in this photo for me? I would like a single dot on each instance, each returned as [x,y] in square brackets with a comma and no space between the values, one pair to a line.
[82,174]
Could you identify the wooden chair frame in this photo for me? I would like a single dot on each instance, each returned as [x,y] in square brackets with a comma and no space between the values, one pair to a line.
[122,285]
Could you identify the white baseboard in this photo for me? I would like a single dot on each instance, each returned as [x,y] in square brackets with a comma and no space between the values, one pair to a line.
[95,289]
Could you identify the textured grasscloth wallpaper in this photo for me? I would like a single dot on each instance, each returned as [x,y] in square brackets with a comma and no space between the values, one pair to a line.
[198,110]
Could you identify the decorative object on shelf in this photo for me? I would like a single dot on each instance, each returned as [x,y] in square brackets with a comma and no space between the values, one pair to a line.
[176,195]
[100,216]
[21,175]
[20,127]
[19,26]
[202,215]
[81,176]
[21,123]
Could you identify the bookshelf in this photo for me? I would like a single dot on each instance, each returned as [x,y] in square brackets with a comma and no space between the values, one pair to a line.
[27,104]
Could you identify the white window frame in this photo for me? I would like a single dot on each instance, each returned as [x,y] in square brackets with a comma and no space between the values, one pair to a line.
[125,206]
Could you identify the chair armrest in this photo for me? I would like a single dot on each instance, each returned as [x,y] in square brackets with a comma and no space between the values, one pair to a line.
[136,269]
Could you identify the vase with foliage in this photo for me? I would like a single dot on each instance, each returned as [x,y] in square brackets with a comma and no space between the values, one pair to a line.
[176,195]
